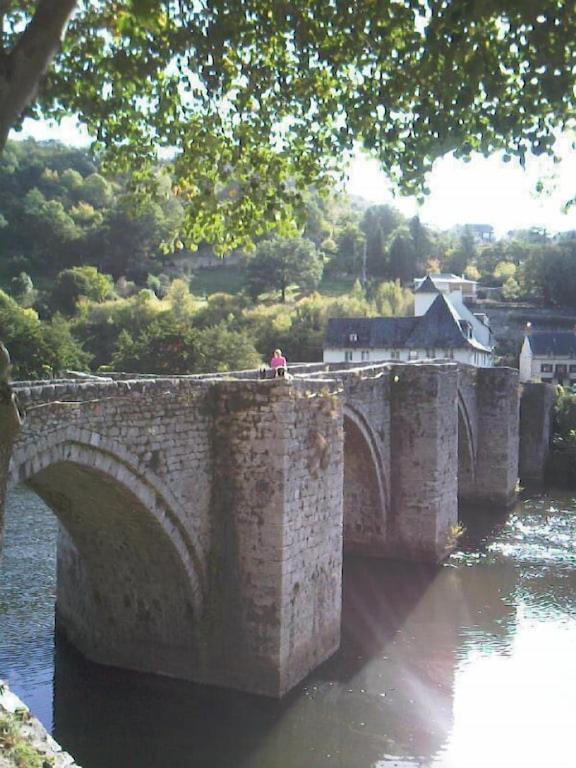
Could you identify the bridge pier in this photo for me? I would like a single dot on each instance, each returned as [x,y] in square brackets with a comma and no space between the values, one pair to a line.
[275,591]
[536,406]
[497,419]
[424,428]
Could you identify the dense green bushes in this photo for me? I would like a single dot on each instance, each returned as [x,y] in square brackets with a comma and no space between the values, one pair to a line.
[181,333]
[561,466]
[38,349]
[564,424]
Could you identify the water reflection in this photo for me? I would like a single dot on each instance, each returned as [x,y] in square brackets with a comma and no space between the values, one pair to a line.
[27,593]
[467,665]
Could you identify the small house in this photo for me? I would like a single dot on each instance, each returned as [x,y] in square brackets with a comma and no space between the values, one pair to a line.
[549,356]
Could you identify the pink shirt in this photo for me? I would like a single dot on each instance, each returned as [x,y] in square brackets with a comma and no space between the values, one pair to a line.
[278,362]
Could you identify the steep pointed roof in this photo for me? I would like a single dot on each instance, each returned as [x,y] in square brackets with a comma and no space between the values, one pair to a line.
[427,286]
[439,327]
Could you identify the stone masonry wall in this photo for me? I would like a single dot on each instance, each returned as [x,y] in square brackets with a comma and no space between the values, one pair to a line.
[467,432]
[536,405]
[278,503]
[365,392]
[367,463]
[202,523]
[312,536]
[423,460]
[364,513]
[127,467]
[498,430]
[8,430]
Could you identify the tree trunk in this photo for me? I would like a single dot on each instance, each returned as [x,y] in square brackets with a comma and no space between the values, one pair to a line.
[22,68]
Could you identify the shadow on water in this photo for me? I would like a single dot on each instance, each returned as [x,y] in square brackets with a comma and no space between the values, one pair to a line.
[108,717]
[378,597]
[481,527]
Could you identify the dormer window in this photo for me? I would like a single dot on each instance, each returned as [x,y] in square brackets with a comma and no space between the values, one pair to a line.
[466,328]
[353,337]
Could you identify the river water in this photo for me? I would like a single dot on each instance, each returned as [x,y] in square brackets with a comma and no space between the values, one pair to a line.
[468,665]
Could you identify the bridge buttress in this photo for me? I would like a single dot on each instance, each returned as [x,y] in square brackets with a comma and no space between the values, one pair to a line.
[275,594]
[536,406]
[424,428]
[497,406]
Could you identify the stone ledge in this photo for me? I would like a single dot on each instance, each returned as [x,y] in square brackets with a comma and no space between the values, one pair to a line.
[31,733]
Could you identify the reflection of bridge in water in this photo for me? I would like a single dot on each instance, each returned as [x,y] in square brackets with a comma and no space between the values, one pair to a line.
[203,518]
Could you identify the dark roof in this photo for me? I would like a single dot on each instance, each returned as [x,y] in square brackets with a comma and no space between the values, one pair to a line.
[371,331]
[439,327]
[561,343]
[427,286]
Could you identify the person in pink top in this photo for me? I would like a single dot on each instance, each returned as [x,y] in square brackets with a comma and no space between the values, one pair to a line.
[278,363]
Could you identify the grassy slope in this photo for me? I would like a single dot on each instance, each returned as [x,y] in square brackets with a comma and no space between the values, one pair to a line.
[230,280]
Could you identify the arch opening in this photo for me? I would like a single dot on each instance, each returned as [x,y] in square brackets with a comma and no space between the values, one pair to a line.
[124,596]
[365,516]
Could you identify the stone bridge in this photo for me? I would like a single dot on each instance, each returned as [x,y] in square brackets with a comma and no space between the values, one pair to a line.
[203,518]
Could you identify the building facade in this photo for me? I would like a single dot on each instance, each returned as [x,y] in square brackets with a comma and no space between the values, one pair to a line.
[442,328]
[449,284]
[549,357]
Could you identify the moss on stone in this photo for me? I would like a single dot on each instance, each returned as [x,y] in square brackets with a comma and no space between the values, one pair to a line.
[15,749]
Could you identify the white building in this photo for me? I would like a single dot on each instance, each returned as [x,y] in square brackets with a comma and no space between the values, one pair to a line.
[448,284]
[549,356]
[442,328]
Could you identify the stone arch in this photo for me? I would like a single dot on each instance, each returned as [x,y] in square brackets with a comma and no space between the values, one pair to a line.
[466,451]
[130,582]
[365,487]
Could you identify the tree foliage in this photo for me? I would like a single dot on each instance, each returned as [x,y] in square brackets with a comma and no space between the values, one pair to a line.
[549,274]
[59,212]
[170,346]
[259,99]
[38,349]
[79,282]
[278,263]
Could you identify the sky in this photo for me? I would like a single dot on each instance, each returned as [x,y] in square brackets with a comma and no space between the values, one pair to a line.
[483,191]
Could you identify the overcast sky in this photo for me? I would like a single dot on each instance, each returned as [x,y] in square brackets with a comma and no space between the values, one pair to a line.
[484,191]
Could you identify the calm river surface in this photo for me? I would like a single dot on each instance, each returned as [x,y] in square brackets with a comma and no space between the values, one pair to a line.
[469,664]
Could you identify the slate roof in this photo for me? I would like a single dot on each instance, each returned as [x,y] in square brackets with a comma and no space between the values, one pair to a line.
[427,286]
[450,277]
[439,327]
[554,343]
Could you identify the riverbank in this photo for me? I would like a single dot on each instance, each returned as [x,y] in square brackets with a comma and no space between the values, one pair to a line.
[24,742]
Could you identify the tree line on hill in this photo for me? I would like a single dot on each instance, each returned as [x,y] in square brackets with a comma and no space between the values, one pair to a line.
[92,277]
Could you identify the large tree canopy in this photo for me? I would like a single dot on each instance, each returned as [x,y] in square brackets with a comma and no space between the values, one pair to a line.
[259,97]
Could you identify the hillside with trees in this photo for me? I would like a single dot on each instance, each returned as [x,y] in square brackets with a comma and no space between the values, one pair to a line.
[94,278]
